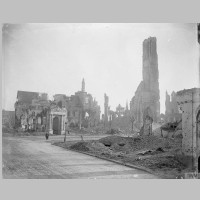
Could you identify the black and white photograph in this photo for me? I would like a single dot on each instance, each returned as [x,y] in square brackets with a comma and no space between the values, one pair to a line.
[100,101]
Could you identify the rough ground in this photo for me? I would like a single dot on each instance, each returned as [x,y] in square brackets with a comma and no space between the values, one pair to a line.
[152,152]
[17,134]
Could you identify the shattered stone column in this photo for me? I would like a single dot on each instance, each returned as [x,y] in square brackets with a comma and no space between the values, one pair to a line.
[106,100]
[49,123]
[167,106]
[83,85]
[80,119]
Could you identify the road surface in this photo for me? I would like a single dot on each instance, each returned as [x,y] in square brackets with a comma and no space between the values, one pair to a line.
[33,157]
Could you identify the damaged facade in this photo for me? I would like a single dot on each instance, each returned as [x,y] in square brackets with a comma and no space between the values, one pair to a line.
[34,112]
[171,108]
[83,109]
[31,111]
[122,119]
[145,105]
[189,105]
[8,118]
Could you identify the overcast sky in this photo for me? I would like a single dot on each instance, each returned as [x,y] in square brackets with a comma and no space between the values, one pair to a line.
[53,58]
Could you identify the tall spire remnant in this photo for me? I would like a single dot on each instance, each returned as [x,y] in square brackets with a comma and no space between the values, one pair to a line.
[83,85]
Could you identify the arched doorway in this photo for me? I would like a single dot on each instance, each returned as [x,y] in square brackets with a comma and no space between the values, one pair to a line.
[198,137]
[56,126]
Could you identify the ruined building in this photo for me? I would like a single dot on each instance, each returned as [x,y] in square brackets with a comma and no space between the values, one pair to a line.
[82,109]
[145,105]
[171,108]
[8,118]
[189,105]
[30,110]
[119,118]
[34,112]
[120,111]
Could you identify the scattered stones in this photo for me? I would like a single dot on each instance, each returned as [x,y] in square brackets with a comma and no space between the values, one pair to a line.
[153,152]
[80,146]
[178,134]
[160,149]
[119,155]
[107,144]
[145,152]
[137,139]
[105,154]
[121,144]
[138,159]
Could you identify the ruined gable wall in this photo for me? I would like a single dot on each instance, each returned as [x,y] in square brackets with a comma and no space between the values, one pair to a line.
[28,108]
[189,103]
[80,104]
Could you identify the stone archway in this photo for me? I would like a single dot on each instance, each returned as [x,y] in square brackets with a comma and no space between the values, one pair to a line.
[56,126]
[198,137]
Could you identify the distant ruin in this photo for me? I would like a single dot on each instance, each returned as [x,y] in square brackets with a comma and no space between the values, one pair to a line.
[106,108]
[115,119]
[171,108]
[82,109]
[145,105]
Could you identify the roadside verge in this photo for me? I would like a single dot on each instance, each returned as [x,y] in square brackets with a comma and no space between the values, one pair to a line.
[118,162]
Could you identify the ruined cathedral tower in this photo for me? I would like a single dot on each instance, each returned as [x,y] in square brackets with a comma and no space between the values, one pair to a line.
[151,75]
[150,66]
[146,102]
